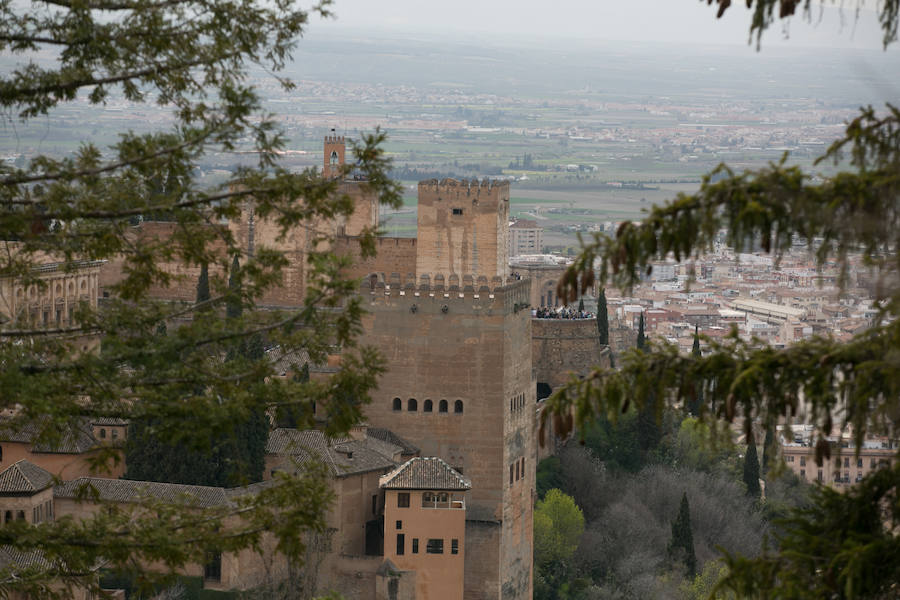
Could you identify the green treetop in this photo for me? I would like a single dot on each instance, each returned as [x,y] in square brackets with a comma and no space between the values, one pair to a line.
[751,469]
[681,545]
[641,340]
[195,58]
[851,215]
[602,318]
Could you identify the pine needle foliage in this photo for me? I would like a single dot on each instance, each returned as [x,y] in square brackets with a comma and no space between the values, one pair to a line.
[159,363]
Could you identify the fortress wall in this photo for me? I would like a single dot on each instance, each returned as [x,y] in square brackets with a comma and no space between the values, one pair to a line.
[394,255]
[544,279]
[563,346]
[463,227]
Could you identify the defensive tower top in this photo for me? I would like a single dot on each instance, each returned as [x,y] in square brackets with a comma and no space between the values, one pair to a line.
[463,227]
[333,155]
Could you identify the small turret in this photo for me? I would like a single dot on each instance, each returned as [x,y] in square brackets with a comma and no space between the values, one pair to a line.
[333,156]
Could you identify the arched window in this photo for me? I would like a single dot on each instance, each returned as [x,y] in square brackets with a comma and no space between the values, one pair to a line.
[457,406]
[427,407]
[398,404]
[334,158]
[8,517]
[412,405]
[102,434]
[20,516]
[442,407]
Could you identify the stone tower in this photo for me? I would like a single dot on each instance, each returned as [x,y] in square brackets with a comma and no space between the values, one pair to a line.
[457,338]
[459,386]
[463,228]
[333,156]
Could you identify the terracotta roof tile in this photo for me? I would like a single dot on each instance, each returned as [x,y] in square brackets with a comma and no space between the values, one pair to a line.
[386,435]
[425,473]
[125,490]
[343,456]
[24,477]
[76,438]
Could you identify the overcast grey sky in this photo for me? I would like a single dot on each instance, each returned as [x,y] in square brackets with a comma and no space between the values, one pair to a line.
[640,20]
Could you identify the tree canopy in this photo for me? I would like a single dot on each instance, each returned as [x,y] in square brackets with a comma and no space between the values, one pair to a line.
[851,215]
[158,362]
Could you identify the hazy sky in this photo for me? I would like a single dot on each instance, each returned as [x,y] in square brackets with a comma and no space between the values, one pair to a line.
[640,20]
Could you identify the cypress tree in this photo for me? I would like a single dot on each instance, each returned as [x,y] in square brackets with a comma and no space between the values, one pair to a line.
[769,450]
[697,401]
[581,305]
[234,307]
[649,434]
[751,469]
[602,318]
[203,286]
[641,340]
[681,546]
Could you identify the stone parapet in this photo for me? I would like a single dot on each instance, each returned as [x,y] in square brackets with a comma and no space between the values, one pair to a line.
[468,294]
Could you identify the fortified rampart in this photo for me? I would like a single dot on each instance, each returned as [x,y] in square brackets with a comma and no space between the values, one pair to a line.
[561,347]
[393,255]
[469,295]
[463,227]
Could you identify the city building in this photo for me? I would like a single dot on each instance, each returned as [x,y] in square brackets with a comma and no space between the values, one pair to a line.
[525,237]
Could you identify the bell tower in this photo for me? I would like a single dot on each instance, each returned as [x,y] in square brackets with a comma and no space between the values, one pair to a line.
[333,155]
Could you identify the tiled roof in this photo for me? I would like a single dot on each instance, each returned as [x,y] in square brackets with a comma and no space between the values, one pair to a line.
[344,456]
[16,560]
[293,360]
[386,435]
[425,473]
[108,421]
[124,490]
[24,477]
[77,437]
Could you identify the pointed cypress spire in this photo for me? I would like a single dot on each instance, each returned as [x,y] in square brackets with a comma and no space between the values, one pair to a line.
[641,340]
[695,404]
[234,307]
[769,450]
[681,546]
[751,469]
[602,318]
[203,286]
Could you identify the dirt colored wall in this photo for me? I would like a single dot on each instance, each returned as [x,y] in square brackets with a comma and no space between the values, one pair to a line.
[471,242]
[394,255]
[543,282]
[66,466]
[563,346]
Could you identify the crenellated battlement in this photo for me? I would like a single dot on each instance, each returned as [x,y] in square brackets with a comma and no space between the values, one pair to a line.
[334,139]
[471,295]
[454,188]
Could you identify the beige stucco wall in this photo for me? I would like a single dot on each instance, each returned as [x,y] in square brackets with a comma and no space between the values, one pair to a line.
[438,576]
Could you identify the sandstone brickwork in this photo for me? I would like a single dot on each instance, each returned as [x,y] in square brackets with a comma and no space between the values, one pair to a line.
[463,227]
[459,386]
[562,347]
[394,255]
